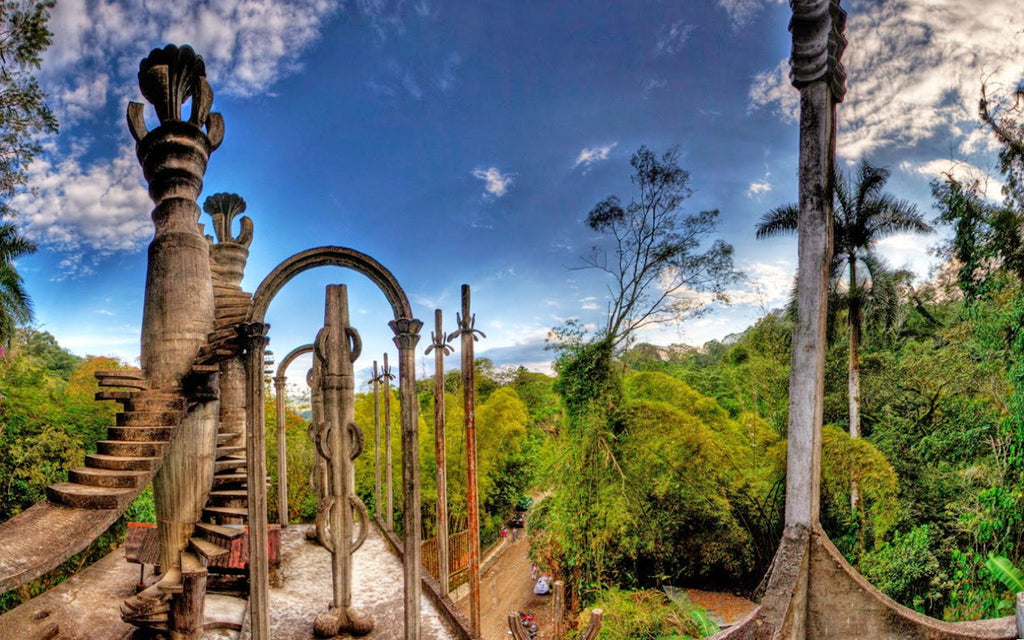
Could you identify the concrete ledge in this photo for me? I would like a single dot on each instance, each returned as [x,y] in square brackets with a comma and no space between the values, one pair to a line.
[842,604]
[45,535]
[813,587]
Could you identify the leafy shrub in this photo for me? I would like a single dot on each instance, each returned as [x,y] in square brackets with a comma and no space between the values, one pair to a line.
[907,570]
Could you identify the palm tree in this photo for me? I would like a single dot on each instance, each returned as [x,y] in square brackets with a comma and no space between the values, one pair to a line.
[863,215]
[15,304]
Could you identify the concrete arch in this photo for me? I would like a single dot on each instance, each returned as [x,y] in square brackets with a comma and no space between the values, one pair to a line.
[292,355]
[327,257]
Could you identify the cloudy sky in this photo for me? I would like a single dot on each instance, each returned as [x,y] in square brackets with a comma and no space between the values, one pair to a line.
[464,142]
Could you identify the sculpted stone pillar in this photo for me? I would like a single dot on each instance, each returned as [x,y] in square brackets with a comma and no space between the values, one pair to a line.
[337,346]
[228,255]
[179,303]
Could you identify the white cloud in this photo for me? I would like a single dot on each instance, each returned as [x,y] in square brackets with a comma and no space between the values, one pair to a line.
[964,172]
[908,250]
[446,78]
[742,12]
[673,37]
[915,70]
[650,85]
[101,207]
[589,155]
[772,90]
[589,303]
[247,44]
[759,188]
[496,183]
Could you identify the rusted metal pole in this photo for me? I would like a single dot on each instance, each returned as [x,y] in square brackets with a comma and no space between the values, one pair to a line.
[441,349]
[282,459]
[376,439]
[468,337]
[389,489]
[406,336]
[558,610]
[254,336]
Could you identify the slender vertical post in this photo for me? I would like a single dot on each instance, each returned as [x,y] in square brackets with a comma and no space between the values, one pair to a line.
[818,43]
[389,511]
[406,336]
[254,336]
[282,459]
[558,610]
[376,439]
[468,337]
[441,349]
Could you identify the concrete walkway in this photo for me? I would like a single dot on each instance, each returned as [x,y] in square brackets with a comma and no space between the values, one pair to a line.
[377,579]
[86,606]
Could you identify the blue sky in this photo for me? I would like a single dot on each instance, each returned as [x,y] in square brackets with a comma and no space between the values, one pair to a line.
[464,142]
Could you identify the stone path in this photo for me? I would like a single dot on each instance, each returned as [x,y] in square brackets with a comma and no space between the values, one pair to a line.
[377,579]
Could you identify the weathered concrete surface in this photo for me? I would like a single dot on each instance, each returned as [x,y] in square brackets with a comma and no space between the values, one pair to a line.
[84,607]
[41,537]
[378,590]
[841,604]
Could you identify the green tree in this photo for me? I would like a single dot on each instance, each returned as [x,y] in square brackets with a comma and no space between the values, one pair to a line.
[864,214]
[658,271]
[24,118]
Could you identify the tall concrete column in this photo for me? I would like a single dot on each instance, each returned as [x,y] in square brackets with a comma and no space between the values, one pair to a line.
[818,43]
[406,337]
[179,303]
[282,451]
[254,337]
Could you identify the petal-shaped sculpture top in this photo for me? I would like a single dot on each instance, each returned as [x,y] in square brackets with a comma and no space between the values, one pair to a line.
[167,78]
[223,207]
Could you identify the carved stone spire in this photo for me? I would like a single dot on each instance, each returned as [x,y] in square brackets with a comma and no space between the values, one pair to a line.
[818,44]
[229,253]
[174,155]
[179,309]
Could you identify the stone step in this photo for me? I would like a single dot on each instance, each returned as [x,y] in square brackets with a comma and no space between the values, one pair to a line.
[225,512]
[82,496]
[131,449]
[226,436]
[100,461]
[219,533]
[227,495]
[114,394]
[206,549]
[130,378]
[140,434]
[155,401]
[229,479]
[229,451]
[149,418]
[229,463]
[111,478]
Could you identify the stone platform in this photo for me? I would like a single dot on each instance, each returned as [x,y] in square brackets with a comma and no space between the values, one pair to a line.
[85,607]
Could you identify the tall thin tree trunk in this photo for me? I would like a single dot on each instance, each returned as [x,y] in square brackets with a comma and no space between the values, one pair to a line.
[854,377]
